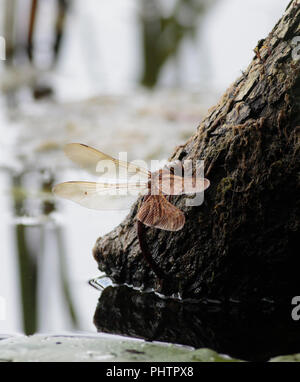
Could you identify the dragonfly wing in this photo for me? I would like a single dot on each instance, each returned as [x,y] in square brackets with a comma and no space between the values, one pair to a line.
[177,185]
[101,164]
[100,196]
[157,212]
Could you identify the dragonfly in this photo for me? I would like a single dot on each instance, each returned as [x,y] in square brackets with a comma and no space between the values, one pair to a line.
[126,179]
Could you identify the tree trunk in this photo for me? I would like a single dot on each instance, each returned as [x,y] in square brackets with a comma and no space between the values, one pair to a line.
[242,241]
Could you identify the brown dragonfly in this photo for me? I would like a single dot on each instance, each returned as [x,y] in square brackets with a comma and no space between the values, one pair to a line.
[156,187]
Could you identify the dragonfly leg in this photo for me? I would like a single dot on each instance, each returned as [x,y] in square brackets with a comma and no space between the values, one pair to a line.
[145,251]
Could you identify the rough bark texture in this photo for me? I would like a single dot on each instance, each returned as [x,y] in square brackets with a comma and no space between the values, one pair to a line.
[242,241]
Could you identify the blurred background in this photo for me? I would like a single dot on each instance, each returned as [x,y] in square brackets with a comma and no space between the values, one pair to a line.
[120,75]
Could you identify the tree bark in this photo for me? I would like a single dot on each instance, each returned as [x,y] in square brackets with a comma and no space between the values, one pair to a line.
[242,241]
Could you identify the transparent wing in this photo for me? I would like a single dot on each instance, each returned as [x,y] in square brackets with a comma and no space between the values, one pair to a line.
[101,164]
[177,185]
[100,196]
[157,212]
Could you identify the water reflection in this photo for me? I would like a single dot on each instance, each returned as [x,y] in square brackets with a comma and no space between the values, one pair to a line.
[250,332]
[38,33]
[32,229]
[163,34]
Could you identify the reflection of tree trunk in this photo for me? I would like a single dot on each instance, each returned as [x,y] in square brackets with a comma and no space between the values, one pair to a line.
[162,35]
[9,22]
[60,27]
[48,208]
[28,280]
[27,266]
[250,332]
[241,242]
[32,22]
[30,250]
